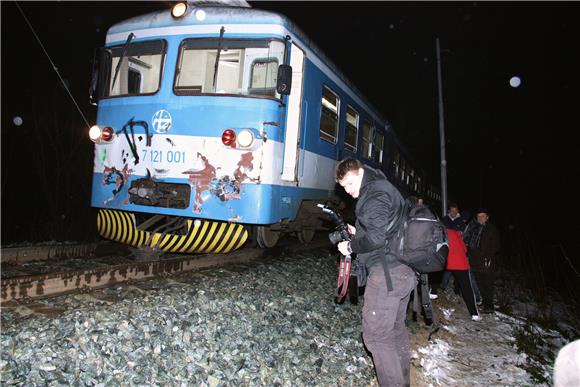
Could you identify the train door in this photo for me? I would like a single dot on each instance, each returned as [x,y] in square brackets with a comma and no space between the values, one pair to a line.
[293,117]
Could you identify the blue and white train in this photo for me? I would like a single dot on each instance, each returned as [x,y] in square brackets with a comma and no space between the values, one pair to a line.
[217,124]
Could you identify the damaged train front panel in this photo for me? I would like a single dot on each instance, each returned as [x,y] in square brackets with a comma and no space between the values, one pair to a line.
[186,175]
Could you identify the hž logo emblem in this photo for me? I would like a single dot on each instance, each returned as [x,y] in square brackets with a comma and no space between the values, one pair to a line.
[161,121]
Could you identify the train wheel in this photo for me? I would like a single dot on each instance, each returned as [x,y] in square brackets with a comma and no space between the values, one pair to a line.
[306,235]
[266,237]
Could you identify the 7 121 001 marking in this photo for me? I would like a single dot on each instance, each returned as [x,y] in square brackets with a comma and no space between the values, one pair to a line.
[161,156]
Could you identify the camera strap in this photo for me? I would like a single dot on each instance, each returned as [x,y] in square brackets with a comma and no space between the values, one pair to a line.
[343,276]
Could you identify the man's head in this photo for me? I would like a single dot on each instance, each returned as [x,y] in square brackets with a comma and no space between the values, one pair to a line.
[482,216]
[415,200]
[349,174]
[453,210]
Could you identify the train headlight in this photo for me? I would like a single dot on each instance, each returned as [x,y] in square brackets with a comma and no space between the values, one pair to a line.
[95,133]
[178,10]
[245,138]
[229,137]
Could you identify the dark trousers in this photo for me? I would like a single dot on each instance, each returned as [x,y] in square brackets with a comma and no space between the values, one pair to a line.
[474,286]
[485,283]
[384,331]
[445,279]
[447,274]
[463,278]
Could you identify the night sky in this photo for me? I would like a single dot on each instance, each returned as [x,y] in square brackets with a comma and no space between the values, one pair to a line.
[509,149]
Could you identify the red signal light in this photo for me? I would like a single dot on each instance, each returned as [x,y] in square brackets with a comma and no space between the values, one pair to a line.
[107,134]
[229,137]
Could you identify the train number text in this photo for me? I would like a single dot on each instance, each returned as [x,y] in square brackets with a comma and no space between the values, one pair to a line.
[159,156]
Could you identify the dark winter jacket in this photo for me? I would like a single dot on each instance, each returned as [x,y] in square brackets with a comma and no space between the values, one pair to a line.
[379,211]
[482,246]
[454,224]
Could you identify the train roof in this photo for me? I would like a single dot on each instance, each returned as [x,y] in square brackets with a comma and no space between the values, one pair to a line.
[242,15]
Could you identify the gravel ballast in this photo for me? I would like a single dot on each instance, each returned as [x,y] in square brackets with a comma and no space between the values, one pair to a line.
[271,323]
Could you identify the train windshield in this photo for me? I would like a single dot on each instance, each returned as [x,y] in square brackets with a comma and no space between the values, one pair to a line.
[139,70]
[229,66]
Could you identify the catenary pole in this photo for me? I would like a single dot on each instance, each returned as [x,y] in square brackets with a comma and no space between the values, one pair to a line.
[441,134]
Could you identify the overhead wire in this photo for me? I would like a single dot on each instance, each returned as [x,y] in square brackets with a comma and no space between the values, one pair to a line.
[52,63]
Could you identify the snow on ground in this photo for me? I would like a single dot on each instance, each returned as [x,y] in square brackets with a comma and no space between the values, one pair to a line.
[477,353]
[463,352]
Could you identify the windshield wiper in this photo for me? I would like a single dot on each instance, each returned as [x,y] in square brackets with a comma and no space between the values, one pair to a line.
[129,38]
[217,57]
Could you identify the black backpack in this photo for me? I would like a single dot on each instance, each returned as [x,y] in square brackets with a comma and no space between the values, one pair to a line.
[421,241]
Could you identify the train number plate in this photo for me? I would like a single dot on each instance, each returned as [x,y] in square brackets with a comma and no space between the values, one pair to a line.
[163,156]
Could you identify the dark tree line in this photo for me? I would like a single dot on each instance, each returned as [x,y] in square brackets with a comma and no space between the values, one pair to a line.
[46,171]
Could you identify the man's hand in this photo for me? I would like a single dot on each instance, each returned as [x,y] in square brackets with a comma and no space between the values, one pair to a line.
[351,229]
[343,247]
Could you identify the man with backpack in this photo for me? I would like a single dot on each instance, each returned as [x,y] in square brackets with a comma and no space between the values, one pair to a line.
[379,211]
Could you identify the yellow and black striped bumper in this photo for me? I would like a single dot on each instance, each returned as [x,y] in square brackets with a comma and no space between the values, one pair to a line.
[203,236]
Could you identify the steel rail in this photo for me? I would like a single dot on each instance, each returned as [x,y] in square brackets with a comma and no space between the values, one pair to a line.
[17,255]
[26,288]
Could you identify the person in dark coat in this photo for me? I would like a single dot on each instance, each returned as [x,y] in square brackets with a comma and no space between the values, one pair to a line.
[453,219]
[483,244]
[379,212]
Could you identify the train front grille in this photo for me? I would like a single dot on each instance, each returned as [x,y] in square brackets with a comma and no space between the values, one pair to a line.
[202,236]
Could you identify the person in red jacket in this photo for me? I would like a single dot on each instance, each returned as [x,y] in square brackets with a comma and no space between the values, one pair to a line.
[458,265]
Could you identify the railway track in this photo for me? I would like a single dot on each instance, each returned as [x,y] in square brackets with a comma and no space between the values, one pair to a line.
[22,281]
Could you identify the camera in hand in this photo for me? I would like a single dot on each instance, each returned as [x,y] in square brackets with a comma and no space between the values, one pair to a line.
[341,233]
[349,270]
[338,236]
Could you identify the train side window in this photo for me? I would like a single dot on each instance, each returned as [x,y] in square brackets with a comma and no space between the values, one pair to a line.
[329,115]
[395,166]
[351,130]
[366,139]
[378,145]
[402,176]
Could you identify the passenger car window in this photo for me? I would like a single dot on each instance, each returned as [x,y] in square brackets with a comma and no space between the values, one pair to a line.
[378,146]
[329,115]
[351,129]
[366,139]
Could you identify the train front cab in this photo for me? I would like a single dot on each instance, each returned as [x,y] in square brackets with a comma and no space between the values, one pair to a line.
[169,165]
